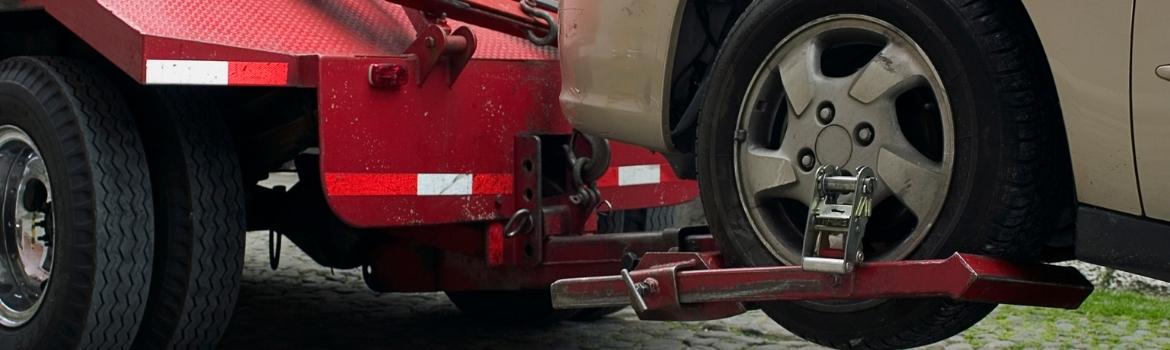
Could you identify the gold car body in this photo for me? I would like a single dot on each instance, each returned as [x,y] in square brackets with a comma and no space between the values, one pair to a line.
[1105,55]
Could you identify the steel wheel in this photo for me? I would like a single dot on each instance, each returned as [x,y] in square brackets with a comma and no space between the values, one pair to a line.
[846,90]
[77,222]
[26,264]
[944,98]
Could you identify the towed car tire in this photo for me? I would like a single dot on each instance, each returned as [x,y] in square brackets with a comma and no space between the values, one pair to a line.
[950,101]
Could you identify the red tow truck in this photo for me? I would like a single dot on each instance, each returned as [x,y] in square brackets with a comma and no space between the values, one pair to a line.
[431,152]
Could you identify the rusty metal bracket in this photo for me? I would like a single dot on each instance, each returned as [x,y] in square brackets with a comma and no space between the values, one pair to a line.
[523,244]
[654,291]
[437,44]
[506,16]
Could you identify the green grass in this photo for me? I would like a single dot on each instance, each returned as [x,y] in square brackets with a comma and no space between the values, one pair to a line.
[1108,319]
[1109,303]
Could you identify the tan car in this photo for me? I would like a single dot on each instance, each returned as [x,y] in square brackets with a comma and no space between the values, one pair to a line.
[1026,129]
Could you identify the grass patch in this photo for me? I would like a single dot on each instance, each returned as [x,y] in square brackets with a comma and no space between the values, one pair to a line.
[1112,303]
[1108,319]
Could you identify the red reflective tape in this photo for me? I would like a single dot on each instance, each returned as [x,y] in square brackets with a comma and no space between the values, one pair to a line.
[366,184]
[491,184]
[609,179]
[257,73]
[389,184]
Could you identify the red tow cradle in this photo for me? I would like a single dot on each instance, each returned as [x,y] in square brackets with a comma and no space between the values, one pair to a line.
[692,286]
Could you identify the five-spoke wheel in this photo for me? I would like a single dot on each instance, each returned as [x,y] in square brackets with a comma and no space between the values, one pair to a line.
[924,92]
[814,102]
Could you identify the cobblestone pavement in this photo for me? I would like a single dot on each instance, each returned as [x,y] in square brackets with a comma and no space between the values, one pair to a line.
[304,306]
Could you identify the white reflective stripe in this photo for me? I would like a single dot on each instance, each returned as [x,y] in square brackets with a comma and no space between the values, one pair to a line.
[186,72]
[639,175]
[444,184]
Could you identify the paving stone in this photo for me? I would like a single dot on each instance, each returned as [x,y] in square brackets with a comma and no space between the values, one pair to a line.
[724,345]
[663,343]
[305,306]
[998,344]
[716,334]
[700,341]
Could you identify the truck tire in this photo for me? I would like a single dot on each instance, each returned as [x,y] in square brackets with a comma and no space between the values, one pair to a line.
[955,98]
[199,203]
[534,307]
[73,159]
[644,220]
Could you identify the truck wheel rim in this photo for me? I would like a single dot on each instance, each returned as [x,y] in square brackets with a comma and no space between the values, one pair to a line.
[26,263]
[847,90]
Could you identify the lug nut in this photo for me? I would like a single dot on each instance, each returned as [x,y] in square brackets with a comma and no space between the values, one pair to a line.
[864,134]
[826,113]
[807,159]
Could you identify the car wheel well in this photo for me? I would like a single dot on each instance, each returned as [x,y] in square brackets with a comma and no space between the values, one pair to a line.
[1061,240]
[702,28]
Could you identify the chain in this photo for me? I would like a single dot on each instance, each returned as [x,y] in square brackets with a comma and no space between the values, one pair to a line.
[530,8]
[587,195]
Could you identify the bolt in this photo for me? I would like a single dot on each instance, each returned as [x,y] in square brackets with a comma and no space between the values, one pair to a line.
[648,286]
[430,42]
[740,135]
[860,256]
[865,134]
[826,113]
[807,161]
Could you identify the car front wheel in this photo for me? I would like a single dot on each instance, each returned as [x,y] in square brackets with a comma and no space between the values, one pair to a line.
[942,98]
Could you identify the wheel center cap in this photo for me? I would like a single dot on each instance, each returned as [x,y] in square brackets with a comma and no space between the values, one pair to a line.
[834,146]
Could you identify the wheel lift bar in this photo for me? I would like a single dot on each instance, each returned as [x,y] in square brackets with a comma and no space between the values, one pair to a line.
[691,286]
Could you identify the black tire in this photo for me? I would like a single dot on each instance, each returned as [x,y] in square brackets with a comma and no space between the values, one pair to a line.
[199,200]
[644,220]
[104,223]
[1000,91]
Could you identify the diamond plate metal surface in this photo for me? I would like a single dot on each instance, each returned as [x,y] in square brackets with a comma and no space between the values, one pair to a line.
[301,27]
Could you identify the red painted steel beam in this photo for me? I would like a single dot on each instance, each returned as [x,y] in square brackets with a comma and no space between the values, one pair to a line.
[960,277]
[443,258]
[500,15]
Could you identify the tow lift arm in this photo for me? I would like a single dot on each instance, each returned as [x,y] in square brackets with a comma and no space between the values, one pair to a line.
[692,286]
